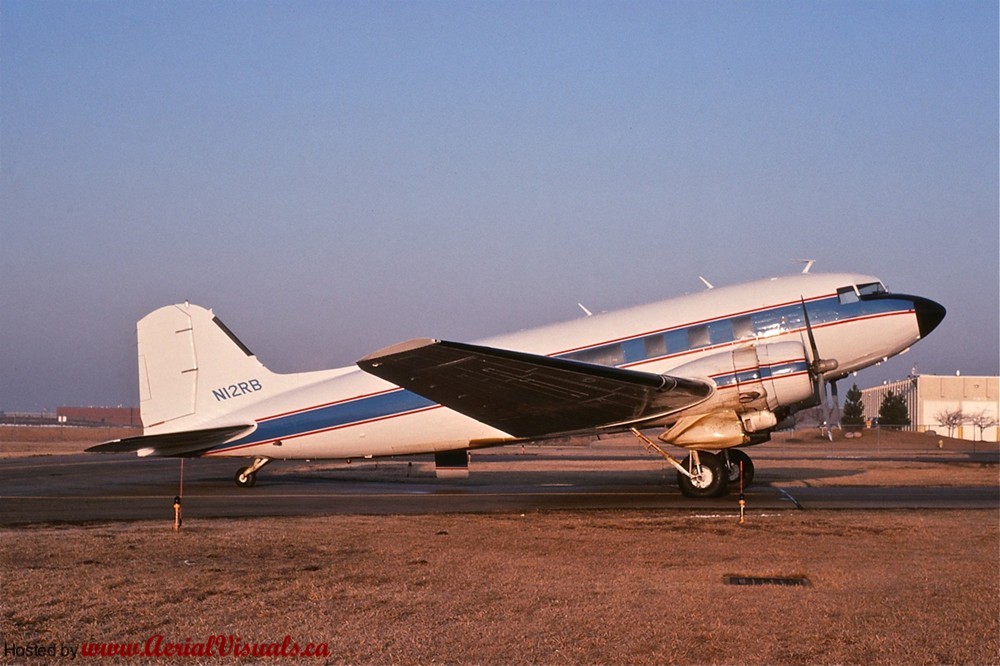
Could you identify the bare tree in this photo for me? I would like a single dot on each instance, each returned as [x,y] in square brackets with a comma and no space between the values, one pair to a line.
[951,419]
[981,420]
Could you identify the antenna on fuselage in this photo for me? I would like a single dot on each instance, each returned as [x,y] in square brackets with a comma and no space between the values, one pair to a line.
[808,262]
[585,310]
[707,283]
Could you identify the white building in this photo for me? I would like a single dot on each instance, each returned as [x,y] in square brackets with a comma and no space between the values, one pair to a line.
[928,396]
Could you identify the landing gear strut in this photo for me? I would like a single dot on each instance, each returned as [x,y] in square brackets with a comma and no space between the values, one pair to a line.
[701,474]
[246,477]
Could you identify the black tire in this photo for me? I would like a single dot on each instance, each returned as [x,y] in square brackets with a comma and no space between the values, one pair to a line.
[736,456]
[713,480]
[244,480]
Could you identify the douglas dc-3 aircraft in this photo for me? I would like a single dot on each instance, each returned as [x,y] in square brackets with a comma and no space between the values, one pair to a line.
[716,370]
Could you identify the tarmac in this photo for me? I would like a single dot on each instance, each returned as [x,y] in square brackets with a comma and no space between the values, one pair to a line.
[87,488]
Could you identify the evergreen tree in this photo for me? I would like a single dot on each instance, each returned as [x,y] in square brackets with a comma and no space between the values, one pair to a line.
[853,414]
[893,413]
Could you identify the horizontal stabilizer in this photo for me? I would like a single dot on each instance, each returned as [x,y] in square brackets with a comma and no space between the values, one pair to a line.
[528,395]
[185,443]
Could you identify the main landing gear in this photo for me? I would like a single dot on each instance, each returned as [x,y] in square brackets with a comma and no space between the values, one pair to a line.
[709,474]
[246,477]
[704,474]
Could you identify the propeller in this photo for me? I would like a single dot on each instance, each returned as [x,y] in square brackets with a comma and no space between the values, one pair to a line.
[818,367]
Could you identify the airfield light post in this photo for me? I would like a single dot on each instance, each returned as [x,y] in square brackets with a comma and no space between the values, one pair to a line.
[178,518]
[177,513]
[743,499]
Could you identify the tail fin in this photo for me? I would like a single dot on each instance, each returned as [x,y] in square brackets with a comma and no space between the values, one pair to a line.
[192,369]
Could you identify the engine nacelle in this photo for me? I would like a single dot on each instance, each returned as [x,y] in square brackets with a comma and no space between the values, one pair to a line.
[752,384]
[785,371]
[756,377]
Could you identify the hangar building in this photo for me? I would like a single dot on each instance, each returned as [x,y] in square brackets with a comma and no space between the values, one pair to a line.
[927,396]
[105,416]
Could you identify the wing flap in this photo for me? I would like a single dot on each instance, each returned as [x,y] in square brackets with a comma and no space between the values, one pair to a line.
[184,443]
[528,395]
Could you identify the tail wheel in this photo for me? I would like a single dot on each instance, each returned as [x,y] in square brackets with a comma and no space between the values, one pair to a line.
[708,479]
[735,457]
[245,478]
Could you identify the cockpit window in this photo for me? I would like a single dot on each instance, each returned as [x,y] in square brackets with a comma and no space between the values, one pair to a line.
[871,288]
[847,295]
[853,294]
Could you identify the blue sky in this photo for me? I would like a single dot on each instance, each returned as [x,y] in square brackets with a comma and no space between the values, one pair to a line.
[334,177]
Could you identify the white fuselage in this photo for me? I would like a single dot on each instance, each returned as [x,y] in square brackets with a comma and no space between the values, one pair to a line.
[347,413]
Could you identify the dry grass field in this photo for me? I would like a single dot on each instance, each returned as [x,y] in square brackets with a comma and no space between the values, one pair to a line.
[55,440]
[600,587]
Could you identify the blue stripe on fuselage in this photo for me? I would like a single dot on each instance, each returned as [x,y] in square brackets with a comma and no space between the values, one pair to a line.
[332,417]
[718,333]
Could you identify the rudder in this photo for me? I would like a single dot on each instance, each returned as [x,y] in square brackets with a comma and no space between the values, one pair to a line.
[192,369]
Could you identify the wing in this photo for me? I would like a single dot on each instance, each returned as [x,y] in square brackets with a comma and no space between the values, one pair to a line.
[527,395]
[185,443]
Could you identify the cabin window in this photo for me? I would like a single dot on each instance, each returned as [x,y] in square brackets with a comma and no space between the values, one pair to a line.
[603,355]
[742,327]
[698,337]
[656,346]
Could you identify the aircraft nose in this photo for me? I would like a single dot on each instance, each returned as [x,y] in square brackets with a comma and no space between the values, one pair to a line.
[929,314]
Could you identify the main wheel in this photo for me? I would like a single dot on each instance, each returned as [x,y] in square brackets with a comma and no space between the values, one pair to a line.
[736,457]
[710,481]
[244,480]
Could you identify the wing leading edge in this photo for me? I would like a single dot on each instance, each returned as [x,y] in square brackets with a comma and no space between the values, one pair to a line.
[528,395]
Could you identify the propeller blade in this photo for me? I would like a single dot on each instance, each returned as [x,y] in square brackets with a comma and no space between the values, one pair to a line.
[818,365]
[809,331]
